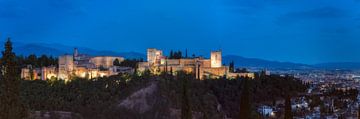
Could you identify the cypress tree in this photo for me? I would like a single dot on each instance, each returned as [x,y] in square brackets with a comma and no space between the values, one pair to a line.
[245,101]
[288,112]
[116,62]
[31,73]
[185,105]
[10,103]
[171,55]
[232,66]
[180,55]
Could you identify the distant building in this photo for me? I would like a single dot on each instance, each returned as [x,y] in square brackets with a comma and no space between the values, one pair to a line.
[43,73]
[202,68]
[216,59]
[154,55]
[77,65]
[66,66]
[105,61]
[266,111]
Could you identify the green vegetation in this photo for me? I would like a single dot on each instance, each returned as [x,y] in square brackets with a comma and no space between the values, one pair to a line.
[11,106]
[232,66]
[37,62]
[245,109]
[216,98]
[288,112]
[185,101]
[92,99]
[98,98]
[128,62]
[175,55]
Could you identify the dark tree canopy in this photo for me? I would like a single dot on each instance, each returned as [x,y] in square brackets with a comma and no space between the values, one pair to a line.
[232,66]
[245,101]
[129,63]
[37,62]
[288,112]
[116,62]
[11,106]
[175,55]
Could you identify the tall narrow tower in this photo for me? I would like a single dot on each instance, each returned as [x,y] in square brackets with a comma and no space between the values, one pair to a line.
[216,60]
[154,55]
[66,66]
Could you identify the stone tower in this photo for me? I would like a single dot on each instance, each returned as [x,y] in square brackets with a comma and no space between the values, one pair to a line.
[216,60]
[154,55]
[66,66]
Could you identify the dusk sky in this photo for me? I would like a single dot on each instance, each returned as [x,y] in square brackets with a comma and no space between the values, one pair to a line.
[303,31]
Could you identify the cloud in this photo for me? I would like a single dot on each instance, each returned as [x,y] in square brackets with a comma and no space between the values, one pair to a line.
[325,12]
[313,14]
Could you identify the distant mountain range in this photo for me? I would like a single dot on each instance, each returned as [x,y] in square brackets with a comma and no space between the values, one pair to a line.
[340,65]
[58,49]
[253,62]
[260,63]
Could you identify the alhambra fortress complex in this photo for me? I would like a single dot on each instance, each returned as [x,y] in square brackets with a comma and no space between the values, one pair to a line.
[85,66]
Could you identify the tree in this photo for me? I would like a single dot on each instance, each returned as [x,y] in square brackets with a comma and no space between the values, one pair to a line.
[232,66]
[185,101]
[32,60]
[171,55]
[130,63]
[31,73]
[43,61]
[53,61]
[116,62]
[179,55]
[322,110]
[245,101]
[288,112]
[11,106]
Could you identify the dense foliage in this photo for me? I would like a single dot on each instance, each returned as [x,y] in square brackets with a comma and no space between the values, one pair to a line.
[92,99]
[288,112]
[175,55]
[98,98]
[11,106]
[37,62]
[245,108]
[131,62]
[218,97]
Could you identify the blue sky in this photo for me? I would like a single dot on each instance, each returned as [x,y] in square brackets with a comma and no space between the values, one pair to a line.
[304,31]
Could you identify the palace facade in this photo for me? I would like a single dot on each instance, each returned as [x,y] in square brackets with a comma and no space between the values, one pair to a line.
[77,65]
[85,66]
[201,67]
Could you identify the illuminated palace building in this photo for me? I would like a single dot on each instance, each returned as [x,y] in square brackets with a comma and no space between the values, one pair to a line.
[202,68]
[77,65]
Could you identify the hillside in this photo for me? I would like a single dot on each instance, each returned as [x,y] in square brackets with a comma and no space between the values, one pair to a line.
[339,65]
